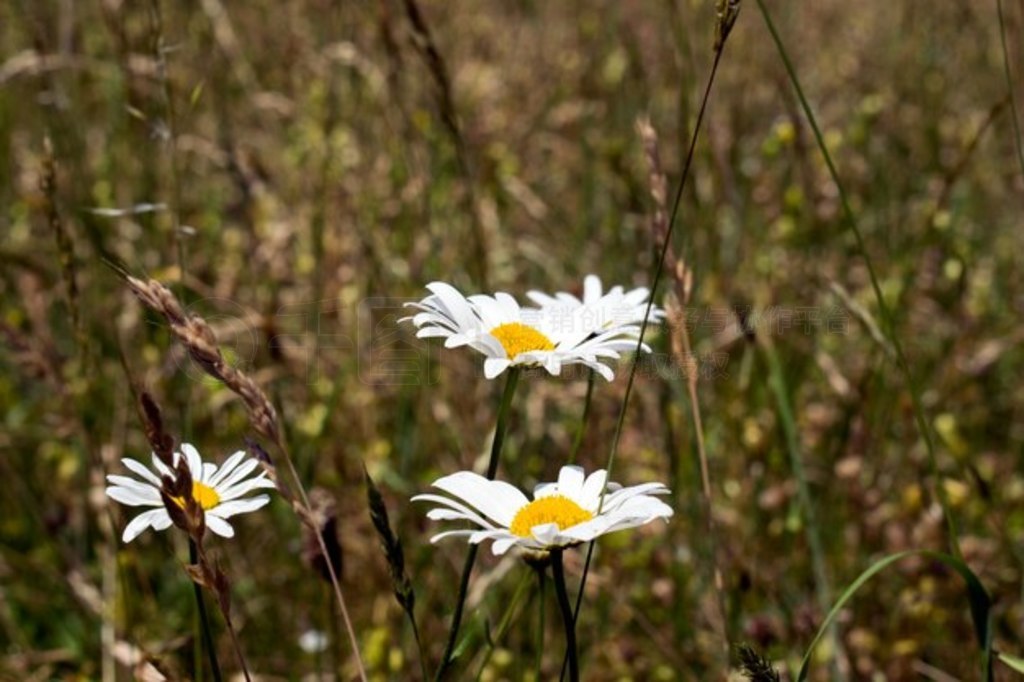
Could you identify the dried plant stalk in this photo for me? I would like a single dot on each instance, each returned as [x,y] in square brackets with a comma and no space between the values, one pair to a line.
[682,278]
[198,338]
[201,343]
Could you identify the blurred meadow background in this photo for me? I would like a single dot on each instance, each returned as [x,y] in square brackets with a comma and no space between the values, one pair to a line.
[295,171]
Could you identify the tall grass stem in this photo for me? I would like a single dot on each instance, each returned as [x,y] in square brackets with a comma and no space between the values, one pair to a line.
[659,270]
[883,307]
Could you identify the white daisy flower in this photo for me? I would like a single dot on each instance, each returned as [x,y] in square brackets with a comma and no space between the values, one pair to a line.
[509,335]
[599,309]
[217,490]
[561,514]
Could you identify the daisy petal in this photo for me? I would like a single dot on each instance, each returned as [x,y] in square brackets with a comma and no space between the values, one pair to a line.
[229,509]
[195,462]
[570,482]
[219,526]
[142,522]
[135,496]
[140,469]
[239,489]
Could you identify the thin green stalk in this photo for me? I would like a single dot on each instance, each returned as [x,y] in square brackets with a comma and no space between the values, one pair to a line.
[659,269]
[204,621]
[578,440]
[568,617]
[1009,86]
[419,647]
[812,529]
[886,313]
[541,584]
[500,427]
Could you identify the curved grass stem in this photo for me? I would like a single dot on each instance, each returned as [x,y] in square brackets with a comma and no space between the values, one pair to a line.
[888,321]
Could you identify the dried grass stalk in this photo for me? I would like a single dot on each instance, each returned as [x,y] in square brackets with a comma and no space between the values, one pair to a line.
[198,338]
[201,343]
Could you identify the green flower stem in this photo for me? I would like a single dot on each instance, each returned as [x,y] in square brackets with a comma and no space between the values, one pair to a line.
[578,440]
[492,469]
[204,621]
[568,617]
[541,584]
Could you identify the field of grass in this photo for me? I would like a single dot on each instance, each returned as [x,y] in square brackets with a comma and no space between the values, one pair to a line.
[294,172]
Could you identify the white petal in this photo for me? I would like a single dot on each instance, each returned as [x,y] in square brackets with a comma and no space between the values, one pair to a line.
[570,482]
[453,303]
[588,530]
[229,509]
[606,372]
[545,533]
[195,462]
[495,366]
[240,489]
[590,495]
[479,536]
[141,469]
[541,299]
[162,522]
[545,490]
[144,521]
[457,510]
[450,534]
[162,468]
[239,474]
[613,500]
[219,526]
[135,497]
[497,500]
[226,468]
[499,547]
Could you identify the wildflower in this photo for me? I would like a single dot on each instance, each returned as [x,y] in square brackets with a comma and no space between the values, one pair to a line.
[600,309]
[561,514]
[217,490]
[509,335]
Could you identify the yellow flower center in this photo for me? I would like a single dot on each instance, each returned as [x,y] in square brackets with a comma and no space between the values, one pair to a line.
[516,338]
[205,496]
[557,509]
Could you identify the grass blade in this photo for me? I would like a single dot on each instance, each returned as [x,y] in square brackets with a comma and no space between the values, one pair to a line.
[978,598]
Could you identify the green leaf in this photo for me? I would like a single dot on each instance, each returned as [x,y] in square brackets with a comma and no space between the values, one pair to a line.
[977,596]
[1014,662]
